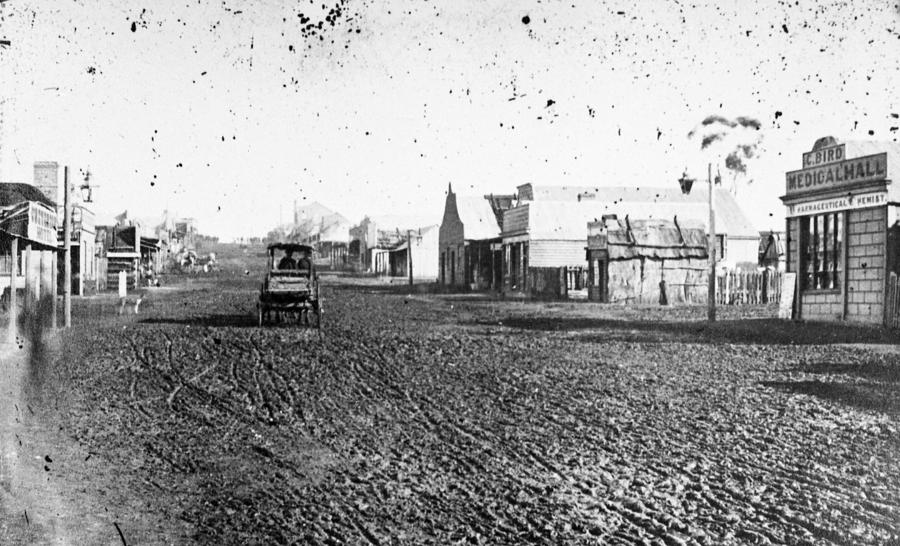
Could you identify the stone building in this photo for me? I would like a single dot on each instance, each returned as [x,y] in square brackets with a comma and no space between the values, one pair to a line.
[843,234]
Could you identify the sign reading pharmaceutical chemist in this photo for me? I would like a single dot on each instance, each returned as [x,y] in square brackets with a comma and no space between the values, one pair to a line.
[847,202]
[854,171]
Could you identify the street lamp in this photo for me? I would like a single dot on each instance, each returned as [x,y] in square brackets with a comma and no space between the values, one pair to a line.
[685,182]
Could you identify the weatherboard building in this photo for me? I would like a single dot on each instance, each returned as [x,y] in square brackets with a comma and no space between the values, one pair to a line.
[843,233]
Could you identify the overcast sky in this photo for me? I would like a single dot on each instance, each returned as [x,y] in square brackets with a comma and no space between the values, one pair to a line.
[228,111]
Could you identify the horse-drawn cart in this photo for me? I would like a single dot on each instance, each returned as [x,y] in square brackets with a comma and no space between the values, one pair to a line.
[291,288]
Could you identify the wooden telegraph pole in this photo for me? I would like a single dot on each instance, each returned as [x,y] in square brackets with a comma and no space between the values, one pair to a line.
[67,250]
[711,313]
[409,264]
[13,282]
[686,183]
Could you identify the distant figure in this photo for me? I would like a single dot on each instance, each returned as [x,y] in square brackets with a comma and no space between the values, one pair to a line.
[287,262]
[123,290]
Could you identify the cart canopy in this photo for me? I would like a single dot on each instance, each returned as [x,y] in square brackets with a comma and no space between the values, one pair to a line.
[293,247]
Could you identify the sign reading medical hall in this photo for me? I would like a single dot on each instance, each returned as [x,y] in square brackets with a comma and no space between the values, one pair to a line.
[821,175]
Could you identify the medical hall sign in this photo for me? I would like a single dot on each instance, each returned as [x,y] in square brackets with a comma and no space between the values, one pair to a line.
[826,169]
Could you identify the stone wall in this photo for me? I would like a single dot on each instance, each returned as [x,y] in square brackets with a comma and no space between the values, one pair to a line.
[866,236]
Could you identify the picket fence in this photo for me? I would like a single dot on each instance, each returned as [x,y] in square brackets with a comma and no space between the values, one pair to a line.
[748,288]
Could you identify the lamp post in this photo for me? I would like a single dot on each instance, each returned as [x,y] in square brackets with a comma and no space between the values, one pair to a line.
[86,190]
[686,184]
[67,251]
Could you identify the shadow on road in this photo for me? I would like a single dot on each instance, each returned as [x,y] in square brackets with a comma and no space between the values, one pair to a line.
[869,396]
[746,331]
[883,371]
[215,321]
[870,385]
[226,321]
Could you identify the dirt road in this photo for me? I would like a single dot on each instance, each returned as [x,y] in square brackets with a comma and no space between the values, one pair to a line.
[424,419]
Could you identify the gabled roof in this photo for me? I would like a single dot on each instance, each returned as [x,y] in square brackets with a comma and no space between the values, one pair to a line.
[559,220]
[314,211]
[477,217]
[393,222]
[404,243]
[664,202]
[12,193]
[335,229]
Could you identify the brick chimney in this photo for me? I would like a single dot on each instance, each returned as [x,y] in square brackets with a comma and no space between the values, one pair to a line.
[46,179]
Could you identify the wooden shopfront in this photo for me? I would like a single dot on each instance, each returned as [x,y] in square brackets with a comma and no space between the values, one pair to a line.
[841,226]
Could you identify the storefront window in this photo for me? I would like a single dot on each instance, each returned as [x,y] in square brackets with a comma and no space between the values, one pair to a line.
[822,245]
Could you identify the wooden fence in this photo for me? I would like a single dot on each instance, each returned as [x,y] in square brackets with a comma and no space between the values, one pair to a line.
[748,288]
[892,313]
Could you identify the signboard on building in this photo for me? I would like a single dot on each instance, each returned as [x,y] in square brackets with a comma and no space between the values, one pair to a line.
[847,202]
[788,289]
[824,156]
[869,168]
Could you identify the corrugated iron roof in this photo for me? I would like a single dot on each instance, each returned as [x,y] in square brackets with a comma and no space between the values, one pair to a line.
[622,200]
[477,217]
[559,220]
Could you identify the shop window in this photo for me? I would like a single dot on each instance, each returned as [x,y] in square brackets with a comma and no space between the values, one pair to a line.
[821,246]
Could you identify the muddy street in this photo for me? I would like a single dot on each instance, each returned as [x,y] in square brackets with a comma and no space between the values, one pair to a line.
[418,418]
